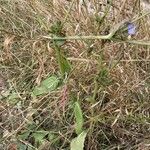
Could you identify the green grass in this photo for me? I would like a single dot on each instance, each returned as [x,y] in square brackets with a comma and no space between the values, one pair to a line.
[71,73]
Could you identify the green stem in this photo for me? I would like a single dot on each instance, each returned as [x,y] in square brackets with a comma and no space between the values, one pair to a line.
[104,37]
[90,37]
[95,91]
[78,37]
[139,42]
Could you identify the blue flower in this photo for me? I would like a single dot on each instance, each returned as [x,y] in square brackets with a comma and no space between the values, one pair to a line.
[131,28]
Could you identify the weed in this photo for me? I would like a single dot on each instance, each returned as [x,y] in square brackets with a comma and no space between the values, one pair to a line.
[54,55]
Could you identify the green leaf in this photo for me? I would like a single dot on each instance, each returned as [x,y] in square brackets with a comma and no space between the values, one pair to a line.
[22,146]
[49,84]
[79,118]
[32,126]
[103,77]
[51,136]
[56,30]
[31,148]
[63,63]
[13,98]
[39,90]
[24,135]
[60,42]
[78,142]
[39,135]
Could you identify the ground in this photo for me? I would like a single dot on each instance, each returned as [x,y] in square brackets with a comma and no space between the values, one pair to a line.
[52,90]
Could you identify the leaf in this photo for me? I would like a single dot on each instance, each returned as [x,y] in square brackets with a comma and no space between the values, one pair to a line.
[24,135]
[32,126]
[51,136]
[78,142]
[56,30]
[79,118]
[21,146]
[49,84]
[13,95]
[60,42]
[103,77]
[65,66]
[13,98]
[63,63]
[39,90]
[39,135]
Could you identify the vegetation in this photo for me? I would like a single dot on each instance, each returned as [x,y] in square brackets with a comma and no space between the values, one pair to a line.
[73,75]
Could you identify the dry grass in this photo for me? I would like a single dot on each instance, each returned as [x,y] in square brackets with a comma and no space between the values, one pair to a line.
[114,73]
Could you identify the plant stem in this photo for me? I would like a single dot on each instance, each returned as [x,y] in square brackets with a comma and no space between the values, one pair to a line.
[139,42]
[78,37]
[103,37]
[95,91]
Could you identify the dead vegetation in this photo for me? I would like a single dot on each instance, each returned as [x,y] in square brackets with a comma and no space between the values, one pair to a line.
[109,78]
